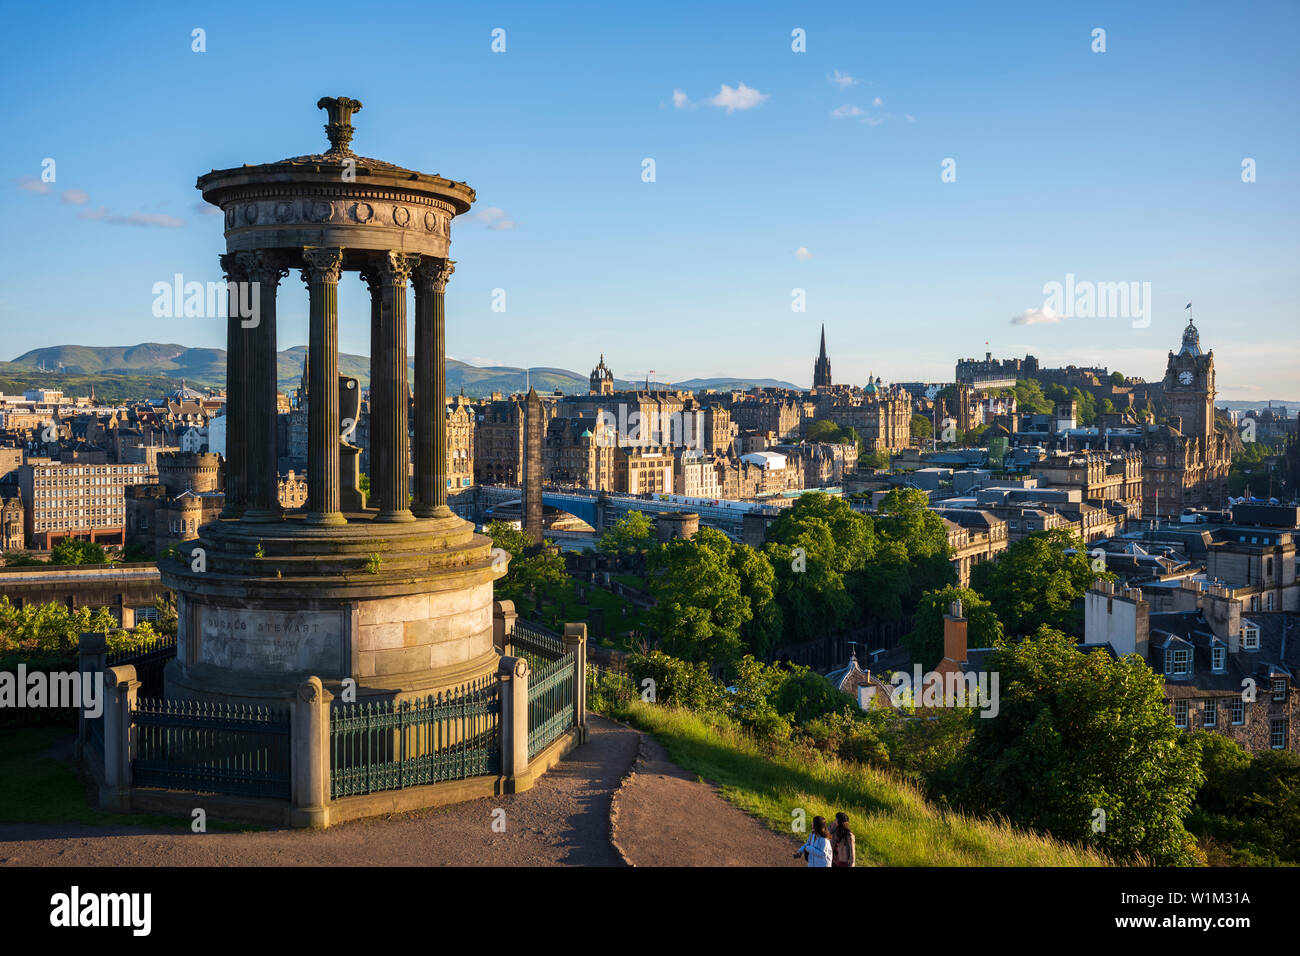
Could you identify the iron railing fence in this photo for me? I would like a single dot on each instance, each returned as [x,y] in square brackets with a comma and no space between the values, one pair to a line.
[550,702]
[149,662]
[212,747]
[381,745]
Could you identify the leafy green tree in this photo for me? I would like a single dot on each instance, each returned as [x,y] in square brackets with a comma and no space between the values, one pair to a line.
[925,640]
[1118,379]
[77,551]
[677,683]
[700,606]
[1076,733]
[1030,399]
[532,573]
[904,516]
[805,695]
[763,631]
[21,559]
[874,458]
[49,627]
[167,624]
[632,533]
[922,427]
[1039,580]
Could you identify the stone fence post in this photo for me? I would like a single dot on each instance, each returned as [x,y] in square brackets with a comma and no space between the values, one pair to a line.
[120,690]
[503,624]
[309,749]
[575,643]
[92,654]
[512,672]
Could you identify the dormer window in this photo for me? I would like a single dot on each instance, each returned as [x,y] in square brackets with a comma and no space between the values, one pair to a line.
[1279,688]
[1250,637]
[1178,662]
[1218,658]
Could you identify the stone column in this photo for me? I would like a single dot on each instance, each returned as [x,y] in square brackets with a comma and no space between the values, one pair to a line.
[321,273]
[503,625]
[263,499]
[236,389]
[309,754]
[390,448]
[120,690]
[512,672]
[92,654]
[575,643]
[430,281]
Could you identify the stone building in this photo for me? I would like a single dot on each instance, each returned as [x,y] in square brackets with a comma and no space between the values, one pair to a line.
[1103,479]
[1186,460]
[12,521]
[186,496]
[1224,671]
[880,414]
[822,367]
[602,379]
[974,536]
[76,499]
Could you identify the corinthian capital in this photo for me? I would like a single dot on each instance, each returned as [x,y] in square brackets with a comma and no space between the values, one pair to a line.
[231,268]
[321,264]
[396,267]
[264,267]
[432,274]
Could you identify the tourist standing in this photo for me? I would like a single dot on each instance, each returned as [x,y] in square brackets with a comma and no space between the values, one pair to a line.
[843,849]
[817,849]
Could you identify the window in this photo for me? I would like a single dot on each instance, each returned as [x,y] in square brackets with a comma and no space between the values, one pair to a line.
[1277,733]
[1279,688]
[1178,662]
[1238,711]
[1180,713]
[1218,658]
[1250,637]
[1211,713]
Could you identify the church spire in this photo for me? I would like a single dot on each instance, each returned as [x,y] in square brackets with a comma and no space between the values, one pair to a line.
[822,367]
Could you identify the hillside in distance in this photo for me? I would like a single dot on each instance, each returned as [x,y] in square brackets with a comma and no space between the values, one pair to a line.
[207,367]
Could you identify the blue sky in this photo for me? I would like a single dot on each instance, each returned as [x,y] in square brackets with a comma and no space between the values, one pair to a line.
[1115,166]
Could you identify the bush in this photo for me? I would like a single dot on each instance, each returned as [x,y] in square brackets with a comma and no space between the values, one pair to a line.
[678,683]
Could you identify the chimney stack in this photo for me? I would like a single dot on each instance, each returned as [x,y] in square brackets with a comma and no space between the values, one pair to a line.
[954,634]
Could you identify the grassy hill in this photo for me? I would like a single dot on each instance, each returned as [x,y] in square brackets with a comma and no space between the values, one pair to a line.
[141,367]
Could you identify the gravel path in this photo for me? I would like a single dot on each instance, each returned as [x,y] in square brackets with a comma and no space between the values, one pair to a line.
[562,821]
[664,816]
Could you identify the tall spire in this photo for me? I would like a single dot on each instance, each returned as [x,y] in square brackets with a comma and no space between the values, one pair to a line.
[823,351]
[822,367]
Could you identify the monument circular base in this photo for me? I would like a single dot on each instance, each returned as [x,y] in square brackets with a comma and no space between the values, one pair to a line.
[387,610]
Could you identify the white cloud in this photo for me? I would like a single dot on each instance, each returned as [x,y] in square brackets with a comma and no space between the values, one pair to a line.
[802,254]
[33,185]
[681,100]
[76,197]
[145,219]
[846,111]
[842,80]
[877,102]
[1043,316]
[741,98]
[494,217]
[206,209]
[100,213]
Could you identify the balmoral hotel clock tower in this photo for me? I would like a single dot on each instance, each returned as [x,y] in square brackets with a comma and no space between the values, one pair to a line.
[1185,460]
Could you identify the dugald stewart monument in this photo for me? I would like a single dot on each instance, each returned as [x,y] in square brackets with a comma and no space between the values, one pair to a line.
[392,591]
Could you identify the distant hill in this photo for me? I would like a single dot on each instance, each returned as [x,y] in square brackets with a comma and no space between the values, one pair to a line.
[119,365]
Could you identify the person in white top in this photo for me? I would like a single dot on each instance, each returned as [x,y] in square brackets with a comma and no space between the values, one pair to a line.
[817,849]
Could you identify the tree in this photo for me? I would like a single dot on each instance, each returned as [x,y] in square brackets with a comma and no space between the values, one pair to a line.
[1078,733]
[875,458]
[77,551]
[1039,580]
[632,533]
[1118,379]
[762,632]
[49,627]
[532,572]
[1030,399]
[700,605]
[922,427]
[925,640]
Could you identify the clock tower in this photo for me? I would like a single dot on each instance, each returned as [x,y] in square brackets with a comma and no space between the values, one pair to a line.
[1189,389]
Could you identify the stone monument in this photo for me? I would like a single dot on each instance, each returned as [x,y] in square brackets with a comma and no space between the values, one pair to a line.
[395,592]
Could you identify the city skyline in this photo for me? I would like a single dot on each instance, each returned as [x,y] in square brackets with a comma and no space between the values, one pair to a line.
[1115,167]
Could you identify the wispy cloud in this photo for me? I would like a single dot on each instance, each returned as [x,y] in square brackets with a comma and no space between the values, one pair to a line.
[145,219]
[75,197]
[33,185]
[847,111]
[494,217]
[802,254]
[741,98]
[100,212]
[681,101]
[205,209]
[1043,316]
[842,80]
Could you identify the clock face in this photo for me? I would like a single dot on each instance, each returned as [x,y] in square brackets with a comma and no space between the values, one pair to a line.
[1185,378]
